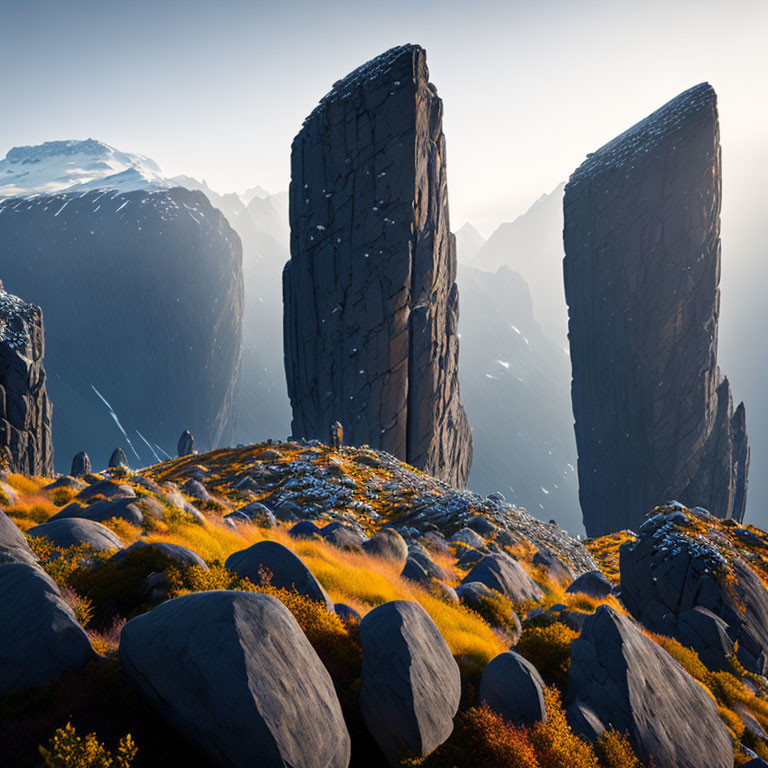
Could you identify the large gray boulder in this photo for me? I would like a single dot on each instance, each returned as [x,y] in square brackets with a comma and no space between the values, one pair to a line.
[410,685]
[283,569]
[513,687]
[73,531]
[13,544]
[505,575]
[621,679]
[670,570]
[233,673]
[370,296]
[40,638]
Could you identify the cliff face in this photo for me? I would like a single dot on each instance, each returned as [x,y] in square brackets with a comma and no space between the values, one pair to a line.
[371,303]
[142,293]
[25,411]
[654,419]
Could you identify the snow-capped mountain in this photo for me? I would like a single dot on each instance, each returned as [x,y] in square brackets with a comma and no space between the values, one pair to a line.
[71,165]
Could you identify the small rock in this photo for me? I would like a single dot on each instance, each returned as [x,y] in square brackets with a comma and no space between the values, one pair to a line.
[593,584]
[196,490]
[118,459]
[507,576]
[512,686]
[186,444]
[81,465]
[387,544]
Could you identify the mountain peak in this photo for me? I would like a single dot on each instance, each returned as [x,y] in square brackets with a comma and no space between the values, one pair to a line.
[73,164]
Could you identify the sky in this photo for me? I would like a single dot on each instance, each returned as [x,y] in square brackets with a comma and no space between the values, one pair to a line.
[218,90]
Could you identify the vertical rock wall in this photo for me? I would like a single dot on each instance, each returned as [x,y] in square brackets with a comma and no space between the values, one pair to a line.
[371,303]
[25,411]
[654,419]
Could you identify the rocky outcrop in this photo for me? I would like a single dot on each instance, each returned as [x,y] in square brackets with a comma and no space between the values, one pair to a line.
[142,293]
[654,419]
[671,571]
[25,411]
[410,684]
[234,674]
[619,678]
[371,302]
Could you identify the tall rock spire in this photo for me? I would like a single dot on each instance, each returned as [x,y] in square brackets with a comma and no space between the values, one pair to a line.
[371,302]
[25,411]
[654,419]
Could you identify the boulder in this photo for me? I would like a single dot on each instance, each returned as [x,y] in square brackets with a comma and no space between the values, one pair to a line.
[186,444]
[505,575]
[592,583]
[40,638]
[304,529]
[108,489]
[342,537]
[101,511]
[619,678]
[282,569]
[118,459]
[387,544]
[233,673]
[707,634]
[13,543]
[481,525]
[410,685]
[512,686]
[65,481]
[347,614]
[81,465]
[73,531]
[196,490]
[174,552]
[554,566]
[469,537]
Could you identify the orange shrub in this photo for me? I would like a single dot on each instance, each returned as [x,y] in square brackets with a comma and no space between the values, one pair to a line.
[548,648]
[483,739]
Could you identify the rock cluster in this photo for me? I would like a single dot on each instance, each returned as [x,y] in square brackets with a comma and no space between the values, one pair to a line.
[25,411]
[677,584]
[371,302]
[654,419]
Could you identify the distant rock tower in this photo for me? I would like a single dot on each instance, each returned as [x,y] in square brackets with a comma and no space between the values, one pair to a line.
[654,419]
[371,302]
[186,444]
[25,411]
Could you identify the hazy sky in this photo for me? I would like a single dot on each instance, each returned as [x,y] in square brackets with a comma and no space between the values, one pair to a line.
[218,90]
